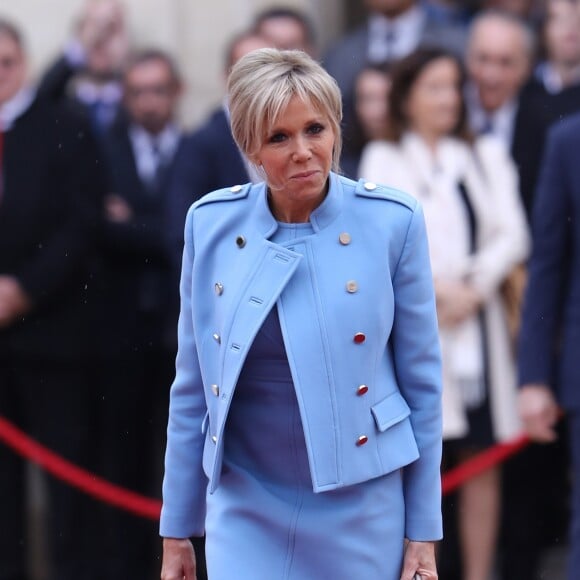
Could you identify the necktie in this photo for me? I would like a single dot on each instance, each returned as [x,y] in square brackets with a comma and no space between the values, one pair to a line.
[390,39]
[156,177]
[487,126]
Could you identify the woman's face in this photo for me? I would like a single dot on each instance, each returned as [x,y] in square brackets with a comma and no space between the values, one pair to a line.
[434,102]
[562,32]
[371,97]
[296,155]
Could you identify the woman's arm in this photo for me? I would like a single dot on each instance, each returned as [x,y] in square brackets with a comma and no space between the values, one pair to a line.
[184,484]
[417,357]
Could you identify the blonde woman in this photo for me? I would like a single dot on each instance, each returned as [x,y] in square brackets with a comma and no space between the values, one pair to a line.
[305,419]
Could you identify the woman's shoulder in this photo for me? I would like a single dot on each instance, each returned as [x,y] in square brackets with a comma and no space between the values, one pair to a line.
[381,147]
[364,189]
[234,193]
[222,202]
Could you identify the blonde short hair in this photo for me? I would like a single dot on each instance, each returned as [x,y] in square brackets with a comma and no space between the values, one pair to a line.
[262,84]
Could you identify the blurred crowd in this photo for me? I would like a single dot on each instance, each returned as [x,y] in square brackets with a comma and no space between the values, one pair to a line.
[451,101]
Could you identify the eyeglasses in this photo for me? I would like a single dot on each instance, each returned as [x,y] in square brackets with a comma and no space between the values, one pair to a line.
[163,91]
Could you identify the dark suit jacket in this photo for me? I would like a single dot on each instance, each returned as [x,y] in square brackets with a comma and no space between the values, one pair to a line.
[137,275]
[55,84]
[208,160]
[49,214]
[549,348]
[349,56]
[537,111]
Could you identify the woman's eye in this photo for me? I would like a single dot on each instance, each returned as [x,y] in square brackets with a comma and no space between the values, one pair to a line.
[277,138]
[315,128]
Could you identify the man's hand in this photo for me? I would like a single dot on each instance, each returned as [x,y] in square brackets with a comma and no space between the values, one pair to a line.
[14,301]
[117,209]
[539,412]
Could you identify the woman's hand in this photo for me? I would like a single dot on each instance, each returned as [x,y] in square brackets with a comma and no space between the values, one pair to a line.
[178,560]
[456,301]
[419,559]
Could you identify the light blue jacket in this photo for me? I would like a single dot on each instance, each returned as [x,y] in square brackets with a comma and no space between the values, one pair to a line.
[357,311]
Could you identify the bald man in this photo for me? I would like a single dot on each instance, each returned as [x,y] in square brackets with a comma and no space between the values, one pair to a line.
[499,58]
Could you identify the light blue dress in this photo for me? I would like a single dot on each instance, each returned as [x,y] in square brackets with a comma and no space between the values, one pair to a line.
[264,522]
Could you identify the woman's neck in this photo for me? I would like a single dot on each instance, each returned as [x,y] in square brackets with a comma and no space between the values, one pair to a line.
[430,138]
[294,211]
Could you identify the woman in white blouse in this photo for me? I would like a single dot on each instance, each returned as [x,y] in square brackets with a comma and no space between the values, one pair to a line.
[477,235]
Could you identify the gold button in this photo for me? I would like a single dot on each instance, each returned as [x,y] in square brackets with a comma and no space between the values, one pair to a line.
[351,286]
[215,390]
[219,288]
[236,188]
[240,241]
[370,186]
[362,390]
[217,337]
[214,438]
[362,440]
[359,337]
[344,238]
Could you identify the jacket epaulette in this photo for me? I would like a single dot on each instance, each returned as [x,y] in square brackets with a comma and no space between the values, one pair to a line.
[226,194]
[374,190]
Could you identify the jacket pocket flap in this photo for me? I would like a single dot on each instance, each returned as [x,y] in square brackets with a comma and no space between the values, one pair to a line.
[390,410]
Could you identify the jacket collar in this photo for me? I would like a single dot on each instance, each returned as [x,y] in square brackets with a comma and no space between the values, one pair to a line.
[320,218]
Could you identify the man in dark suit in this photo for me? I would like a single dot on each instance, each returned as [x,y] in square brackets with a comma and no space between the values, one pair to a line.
[139,304]
[550,338]
[394,28]
[50,188]
[552,94]
[499,58]
[210,158]
[89,69]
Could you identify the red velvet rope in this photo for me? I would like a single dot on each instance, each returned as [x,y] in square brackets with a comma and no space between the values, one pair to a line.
[492,456]
[75,476]
[150,508]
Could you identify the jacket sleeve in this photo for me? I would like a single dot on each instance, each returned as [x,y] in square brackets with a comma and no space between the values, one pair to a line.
[552,229]
[185,483]
[415,343]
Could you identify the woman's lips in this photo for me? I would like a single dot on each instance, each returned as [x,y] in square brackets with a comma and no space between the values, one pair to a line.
[304,174]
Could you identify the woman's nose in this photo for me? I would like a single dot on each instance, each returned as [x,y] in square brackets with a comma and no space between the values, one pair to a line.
[302,150]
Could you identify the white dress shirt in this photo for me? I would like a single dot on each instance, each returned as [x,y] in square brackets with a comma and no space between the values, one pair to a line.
[153,151]
[499,123]
[15,107]
[394,38]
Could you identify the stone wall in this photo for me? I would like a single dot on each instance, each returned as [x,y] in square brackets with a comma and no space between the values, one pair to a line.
[196,32]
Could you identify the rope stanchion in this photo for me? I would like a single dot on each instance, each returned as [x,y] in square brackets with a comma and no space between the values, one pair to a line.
[455,477]
[75,476]
[150,508]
